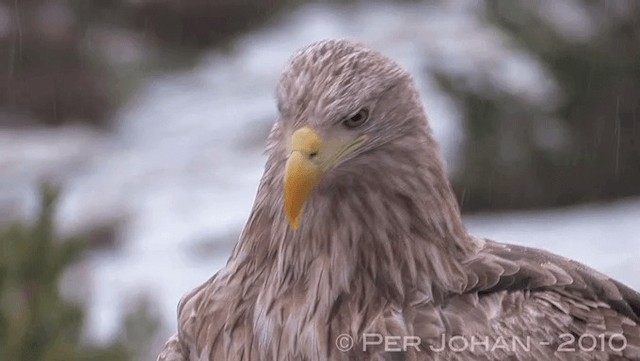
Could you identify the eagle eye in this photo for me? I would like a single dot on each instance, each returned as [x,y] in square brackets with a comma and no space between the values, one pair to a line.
[357,119]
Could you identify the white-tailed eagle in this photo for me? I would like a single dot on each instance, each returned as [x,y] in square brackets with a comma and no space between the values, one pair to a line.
[355,248]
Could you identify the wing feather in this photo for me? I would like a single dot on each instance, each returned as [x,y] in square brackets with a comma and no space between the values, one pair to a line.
[506,267]
[564,295]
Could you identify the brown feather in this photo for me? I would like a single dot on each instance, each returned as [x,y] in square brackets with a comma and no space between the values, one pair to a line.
[381,248]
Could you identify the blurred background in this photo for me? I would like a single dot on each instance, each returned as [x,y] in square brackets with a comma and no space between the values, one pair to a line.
[132,131]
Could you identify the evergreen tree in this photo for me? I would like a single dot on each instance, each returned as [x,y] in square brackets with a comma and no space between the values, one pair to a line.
[507,162]
[36,322]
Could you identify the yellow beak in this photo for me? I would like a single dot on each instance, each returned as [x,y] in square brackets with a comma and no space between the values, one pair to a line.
[302,172]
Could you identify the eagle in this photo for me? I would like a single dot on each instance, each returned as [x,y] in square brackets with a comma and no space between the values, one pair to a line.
[355,248]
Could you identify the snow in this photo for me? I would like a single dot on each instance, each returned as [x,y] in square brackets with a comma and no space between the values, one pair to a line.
[183,164]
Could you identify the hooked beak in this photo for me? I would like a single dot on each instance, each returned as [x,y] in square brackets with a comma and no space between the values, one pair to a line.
[302,172]
[308,161]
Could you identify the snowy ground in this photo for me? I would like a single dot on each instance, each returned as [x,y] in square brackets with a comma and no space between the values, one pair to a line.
[183,164]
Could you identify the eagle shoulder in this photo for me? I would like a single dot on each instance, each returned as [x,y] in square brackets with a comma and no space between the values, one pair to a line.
[521,291]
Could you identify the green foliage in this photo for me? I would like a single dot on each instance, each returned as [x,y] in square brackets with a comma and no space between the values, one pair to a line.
[36,323]
[48,75]
[58,57]
[182,24]
[505,163]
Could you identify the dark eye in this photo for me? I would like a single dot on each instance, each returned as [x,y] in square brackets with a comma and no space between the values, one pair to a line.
[357,119]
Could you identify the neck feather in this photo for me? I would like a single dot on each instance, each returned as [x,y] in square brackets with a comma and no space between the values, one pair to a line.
[396,227]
